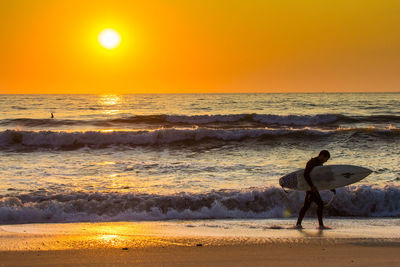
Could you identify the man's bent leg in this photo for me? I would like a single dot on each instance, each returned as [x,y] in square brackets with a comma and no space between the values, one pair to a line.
[306,205]
[317,199]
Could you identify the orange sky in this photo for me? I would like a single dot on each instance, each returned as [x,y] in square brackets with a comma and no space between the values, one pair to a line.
[50,46]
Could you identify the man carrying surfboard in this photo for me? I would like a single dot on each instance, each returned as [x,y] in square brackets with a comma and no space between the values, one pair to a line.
[313,194]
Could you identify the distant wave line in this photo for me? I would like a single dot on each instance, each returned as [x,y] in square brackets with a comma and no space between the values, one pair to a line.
[230,119]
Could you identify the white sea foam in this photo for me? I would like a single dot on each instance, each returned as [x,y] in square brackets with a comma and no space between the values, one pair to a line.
[271,202]
[54,139]
[161,136]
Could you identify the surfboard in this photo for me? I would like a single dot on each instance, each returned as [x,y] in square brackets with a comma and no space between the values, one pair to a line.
[325,177]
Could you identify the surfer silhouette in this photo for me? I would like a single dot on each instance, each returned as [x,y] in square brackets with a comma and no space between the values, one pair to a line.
[313,194]
[52,115]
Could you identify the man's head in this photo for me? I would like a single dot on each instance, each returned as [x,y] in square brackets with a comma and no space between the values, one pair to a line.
[324,155]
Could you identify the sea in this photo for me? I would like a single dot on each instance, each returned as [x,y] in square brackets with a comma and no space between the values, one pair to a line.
[152,157]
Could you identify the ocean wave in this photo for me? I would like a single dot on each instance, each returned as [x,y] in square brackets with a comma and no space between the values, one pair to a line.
[211,121]
[232,120]
[271,202]
[100,139]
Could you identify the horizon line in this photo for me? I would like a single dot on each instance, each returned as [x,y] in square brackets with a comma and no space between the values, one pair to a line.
[219,93]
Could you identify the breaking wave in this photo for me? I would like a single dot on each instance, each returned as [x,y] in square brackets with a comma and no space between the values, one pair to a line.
[271,202]
[100,139]
[232,120]
[95,139]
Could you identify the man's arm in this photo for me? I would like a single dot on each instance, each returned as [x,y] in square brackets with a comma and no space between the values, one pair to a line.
[307,172]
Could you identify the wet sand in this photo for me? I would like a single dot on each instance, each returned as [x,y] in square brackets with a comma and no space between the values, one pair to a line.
[232,255]
[199,243]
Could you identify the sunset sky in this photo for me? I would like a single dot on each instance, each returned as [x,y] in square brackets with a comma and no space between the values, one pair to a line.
[199,46]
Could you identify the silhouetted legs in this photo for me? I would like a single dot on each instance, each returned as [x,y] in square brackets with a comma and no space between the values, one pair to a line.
[312,197]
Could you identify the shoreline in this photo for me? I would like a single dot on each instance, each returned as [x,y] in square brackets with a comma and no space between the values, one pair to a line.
[202,243]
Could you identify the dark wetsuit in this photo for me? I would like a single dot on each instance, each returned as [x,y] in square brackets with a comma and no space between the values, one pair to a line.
[310,195]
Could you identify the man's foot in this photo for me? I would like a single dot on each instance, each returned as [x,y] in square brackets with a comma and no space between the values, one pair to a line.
[297,226]
[323,227]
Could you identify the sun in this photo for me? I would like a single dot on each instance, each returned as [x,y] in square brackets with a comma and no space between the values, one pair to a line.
[109,38]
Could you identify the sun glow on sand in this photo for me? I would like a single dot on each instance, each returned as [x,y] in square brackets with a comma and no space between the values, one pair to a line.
[109,38]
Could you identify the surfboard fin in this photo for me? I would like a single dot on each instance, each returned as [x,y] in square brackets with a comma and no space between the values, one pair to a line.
[330,201]
[284,190]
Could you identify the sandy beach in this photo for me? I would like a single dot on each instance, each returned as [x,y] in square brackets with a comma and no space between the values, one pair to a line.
[200,243]
[233,255]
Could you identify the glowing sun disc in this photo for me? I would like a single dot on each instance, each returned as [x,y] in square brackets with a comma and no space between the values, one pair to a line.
[109,38]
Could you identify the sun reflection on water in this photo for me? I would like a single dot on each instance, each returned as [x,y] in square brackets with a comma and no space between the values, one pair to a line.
[104,163]
[109,100]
